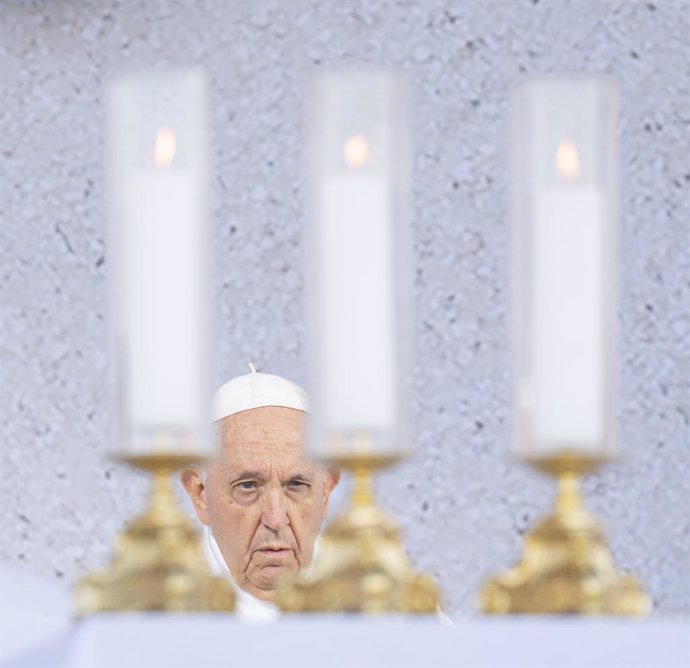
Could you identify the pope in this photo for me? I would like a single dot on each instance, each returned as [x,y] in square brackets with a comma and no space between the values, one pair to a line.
[261,499]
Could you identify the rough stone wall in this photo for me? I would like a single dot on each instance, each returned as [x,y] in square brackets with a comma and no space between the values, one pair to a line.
[464,505]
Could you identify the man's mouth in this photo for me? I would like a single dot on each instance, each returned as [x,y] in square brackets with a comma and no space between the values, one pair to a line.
[275,552]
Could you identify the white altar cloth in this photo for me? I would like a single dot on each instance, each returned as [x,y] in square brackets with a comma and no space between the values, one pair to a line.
[33,609]
[176,641]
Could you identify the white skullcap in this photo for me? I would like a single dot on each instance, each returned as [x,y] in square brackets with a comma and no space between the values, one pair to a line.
[255,390]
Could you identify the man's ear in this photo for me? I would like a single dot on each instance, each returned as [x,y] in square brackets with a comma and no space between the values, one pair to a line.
[195,485]
[331,478]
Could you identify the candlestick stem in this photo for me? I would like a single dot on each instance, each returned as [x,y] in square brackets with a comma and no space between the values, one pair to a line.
[363,494]
[569,499]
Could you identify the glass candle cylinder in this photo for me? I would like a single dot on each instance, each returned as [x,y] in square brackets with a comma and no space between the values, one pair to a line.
[565,235]
[158,248]
[357,243]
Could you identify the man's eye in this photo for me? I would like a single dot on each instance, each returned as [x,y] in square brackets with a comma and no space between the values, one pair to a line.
[246,485]
[298,484]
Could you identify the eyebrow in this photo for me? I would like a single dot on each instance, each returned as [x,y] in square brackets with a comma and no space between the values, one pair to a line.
[248,474]
[300,476]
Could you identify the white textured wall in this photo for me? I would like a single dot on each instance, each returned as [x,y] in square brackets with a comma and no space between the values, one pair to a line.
[464,505]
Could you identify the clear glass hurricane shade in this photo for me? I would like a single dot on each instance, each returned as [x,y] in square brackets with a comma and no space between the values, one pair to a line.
[357,244]
[565,266]
[157,159]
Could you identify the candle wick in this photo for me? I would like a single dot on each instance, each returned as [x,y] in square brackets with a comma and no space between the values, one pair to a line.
[251,366]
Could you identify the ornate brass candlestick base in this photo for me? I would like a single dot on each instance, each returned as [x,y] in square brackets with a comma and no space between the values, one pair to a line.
[159,563]
[361,566]
[567,567]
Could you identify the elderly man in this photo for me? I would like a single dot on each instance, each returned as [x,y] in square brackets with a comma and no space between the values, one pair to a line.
[261,499]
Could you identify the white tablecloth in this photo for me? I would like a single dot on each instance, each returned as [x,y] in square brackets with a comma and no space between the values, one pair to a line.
[33,609]
[117,641]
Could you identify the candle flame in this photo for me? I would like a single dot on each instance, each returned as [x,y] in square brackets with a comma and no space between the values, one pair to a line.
[568,160]
[165,147]
[356,151]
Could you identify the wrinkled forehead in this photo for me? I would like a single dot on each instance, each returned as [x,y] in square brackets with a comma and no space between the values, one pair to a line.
[263,423]
[271,432]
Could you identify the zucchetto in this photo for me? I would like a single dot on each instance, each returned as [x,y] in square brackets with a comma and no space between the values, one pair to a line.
[255,390]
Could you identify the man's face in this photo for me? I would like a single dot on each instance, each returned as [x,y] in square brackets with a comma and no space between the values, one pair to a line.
[263,500]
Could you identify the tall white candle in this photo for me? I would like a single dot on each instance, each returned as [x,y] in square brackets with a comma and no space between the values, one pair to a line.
[358,321]
[159,236]
[164,270]
[356,279]
[564,220]
[568,317]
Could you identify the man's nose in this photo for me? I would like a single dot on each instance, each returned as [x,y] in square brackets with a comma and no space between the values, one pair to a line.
[274,514]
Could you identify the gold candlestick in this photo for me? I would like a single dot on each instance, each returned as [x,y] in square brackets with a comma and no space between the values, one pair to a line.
[159,562]
[567,567]
[361,566]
